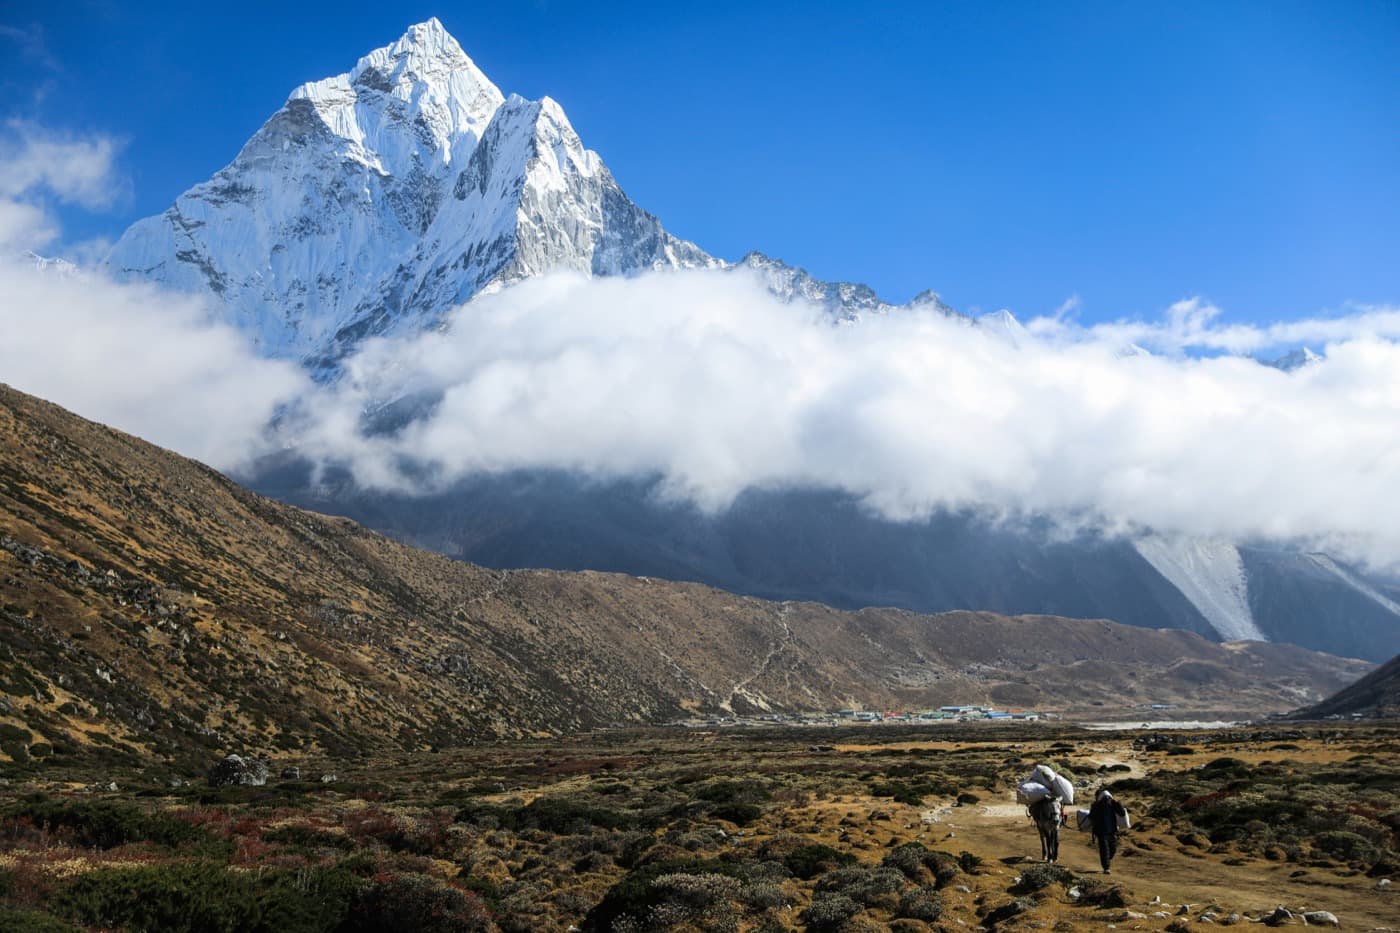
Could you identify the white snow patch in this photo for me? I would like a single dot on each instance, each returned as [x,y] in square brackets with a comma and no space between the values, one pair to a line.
[1210,574]
[1331,566]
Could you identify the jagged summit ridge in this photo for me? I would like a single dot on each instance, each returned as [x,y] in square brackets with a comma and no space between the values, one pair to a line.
[376,200]
[846,301]
[425,80]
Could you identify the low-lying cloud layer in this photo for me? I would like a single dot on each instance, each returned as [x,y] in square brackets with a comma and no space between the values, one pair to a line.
[149,363]
[705,380]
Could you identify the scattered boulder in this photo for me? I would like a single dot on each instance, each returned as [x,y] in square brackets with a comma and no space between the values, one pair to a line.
[236,770]
[291,773]
[329,779]
[1321,918]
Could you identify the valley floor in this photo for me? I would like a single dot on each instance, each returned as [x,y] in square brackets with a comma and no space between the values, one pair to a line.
[842,829]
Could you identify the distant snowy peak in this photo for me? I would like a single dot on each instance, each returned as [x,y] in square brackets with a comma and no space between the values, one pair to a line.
[846,301]
[48,265]
[1295,359]
[1004,326]
[376,200]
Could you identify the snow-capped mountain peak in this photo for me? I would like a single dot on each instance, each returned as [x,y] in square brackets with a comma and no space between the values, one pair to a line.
[424,81]
[1294,359]
[1003,325]
[376,200]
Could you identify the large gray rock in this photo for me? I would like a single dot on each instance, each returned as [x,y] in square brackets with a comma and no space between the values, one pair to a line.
[235,770]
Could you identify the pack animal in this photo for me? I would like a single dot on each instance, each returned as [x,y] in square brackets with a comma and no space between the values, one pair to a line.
[1046,814]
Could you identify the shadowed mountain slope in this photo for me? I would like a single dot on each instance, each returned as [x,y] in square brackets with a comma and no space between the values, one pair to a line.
[1375,696]
[150,605]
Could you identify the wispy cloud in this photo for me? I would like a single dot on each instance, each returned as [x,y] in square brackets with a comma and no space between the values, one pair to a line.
[80,170]
[30,45]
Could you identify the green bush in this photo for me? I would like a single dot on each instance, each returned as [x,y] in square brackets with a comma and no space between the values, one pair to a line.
[33,921]
[208,898]
[731,792]
[1347,846]
[563,816]
[864,885]
[922,903]
[104,824]
[828,911]
[740,814]
[414,904]
[808,861]
[636,893]
[1042,875]
[913,859]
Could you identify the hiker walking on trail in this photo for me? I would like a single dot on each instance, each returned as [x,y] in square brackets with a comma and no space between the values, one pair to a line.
[1104,818]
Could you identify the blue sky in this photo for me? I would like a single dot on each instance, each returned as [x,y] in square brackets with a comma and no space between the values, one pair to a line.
[1004,154]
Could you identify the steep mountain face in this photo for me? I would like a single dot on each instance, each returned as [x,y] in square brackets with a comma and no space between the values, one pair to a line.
[375,201]
[148,605]
[1375,696]
[811,544]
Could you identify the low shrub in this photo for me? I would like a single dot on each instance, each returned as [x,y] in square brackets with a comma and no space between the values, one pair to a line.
[922,903]
[740,814]
[1042,875]
[808,861]
[414,904]
[633,897]
[208,898]
[913,860]
[865,885]
[828,911]
[1348,847]
[103,824]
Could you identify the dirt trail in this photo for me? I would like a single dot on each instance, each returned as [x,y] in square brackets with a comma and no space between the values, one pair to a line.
[1152,864]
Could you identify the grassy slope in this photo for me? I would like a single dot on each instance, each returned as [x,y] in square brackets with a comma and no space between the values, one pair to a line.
[150,605]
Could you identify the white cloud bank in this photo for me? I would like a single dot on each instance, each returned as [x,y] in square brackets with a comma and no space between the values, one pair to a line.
[707,381]
[140,360]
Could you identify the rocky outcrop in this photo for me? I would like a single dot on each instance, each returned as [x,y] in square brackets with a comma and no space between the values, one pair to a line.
[238,771]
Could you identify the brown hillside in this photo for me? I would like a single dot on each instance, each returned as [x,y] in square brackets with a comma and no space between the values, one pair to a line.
[149,604]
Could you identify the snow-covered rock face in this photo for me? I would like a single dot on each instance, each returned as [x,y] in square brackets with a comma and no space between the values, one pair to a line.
[374,201]
[1294,359]
[845,301]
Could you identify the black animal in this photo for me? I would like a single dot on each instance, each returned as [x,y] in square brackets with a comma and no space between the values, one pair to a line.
[1046,814]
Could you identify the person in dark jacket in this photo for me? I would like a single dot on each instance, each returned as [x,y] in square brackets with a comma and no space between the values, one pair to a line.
[1103,823]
